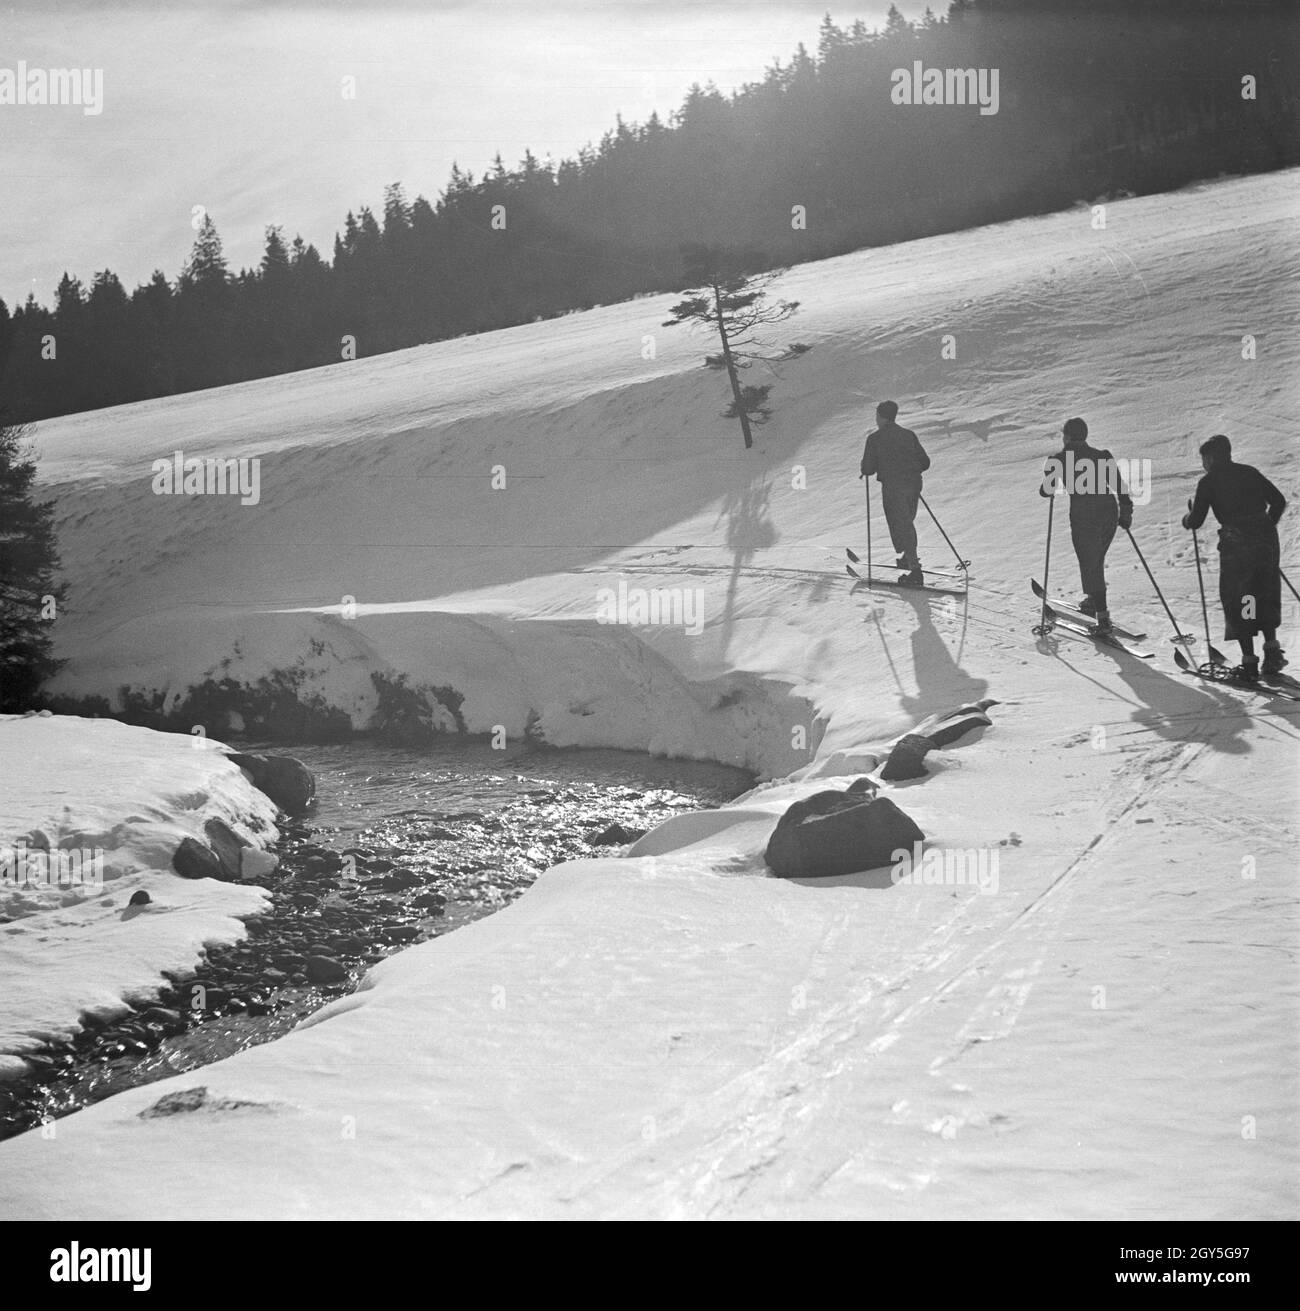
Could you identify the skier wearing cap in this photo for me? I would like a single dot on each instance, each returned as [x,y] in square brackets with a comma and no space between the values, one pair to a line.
[1099,503]
[1248,508]
[897,458]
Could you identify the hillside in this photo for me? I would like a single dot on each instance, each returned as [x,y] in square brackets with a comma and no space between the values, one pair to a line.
[1107,1033]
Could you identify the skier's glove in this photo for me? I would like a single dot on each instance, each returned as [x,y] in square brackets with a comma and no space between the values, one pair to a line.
[1126,518]
[1187,521]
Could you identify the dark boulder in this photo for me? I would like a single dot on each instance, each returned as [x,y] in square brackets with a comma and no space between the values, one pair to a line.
[164,1015]
[288,782]
[320,858]
[228,846]
[192,860]
[955,724]
[325,969]
[907,757]
[838,833]
[398,880]
[615,835]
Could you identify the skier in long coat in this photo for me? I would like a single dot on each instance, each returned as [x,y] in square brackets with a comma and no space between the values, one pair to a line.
[897,458]
[1247,507]
[1099,504]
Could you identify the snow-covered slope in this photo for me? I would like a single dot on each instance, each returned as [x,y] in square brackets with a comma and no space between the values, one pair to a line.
[376,484]
[1107,1032]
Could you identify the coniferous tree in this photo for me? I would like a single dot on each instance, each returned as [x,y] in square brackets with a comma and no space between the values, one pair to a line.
[206,268]
[6,334]
[30,592]
[205,313]
[275,258]
[153,331]
[722,296]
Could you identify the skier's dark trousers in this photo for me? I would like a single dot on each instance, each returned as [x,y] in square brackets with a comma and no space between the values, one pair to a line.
[1099,504]
[898,460]
[1248,508]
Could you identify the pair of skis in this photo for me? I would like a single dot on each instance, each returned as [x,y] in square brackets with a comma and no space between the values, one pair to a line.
[1282,685]
[855,559]
[1061,614]
[1064,614]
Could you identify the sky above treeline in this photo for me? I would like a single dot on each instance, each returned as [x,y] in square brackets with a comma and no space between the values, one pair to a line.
[239,107]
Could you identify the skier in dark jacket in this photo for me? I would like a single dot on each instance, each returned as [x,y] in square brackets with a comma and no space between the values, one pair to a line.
[1247,507]
[898,460]
[1099,503]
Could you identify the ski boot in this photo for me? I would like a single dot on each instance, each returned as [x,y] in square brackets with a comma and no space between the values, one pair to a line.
[1248,670]
[1088,607]
[912,575]
[1274,658]
[1104,626]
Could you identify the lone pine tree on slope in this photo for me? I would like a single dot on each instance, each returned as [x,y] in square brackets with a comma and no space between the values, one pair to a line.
[29,592]
[720,294]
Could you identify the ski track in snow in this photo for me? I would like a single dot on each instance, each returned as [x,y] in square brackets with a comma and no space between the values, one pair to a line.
[768,1105]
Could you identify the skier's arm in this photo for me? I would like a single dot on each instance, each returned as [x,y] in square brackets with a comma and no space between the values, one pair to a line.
[1122,496]
[1195,517]
[922,459]
[1121,489]
[869,457]
[1275,500]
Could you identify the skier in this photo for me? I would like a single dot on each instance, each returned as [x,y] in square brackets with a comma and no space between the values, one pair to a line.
[1099,502]
[898,460]
[1247,507]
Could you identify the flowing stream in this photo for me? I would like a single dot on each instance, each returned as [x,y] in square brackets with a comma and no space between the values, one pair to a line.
[399,847]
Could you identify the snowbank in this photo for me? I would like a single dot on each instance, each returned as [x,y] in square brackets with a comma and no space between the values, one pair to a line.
[118,800]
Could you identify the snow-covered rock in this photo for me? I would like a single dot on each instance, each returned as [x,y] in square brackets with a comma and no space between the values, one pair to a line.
[121,801]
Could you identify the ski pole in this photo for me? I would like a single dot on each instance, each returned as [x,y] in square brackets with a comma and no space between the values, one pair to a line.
[965,564]
[1287,581]
[1044,624]
[1182,639]
[1216,657]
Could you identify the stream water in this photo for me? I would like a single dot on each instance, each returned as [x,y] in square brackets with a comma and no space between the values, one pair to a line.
[399,847]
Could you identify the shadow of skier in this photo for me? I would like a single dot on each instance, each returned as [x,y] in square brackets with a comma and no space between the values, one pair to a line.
[941,682]
[1171,706]
[1182,709]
